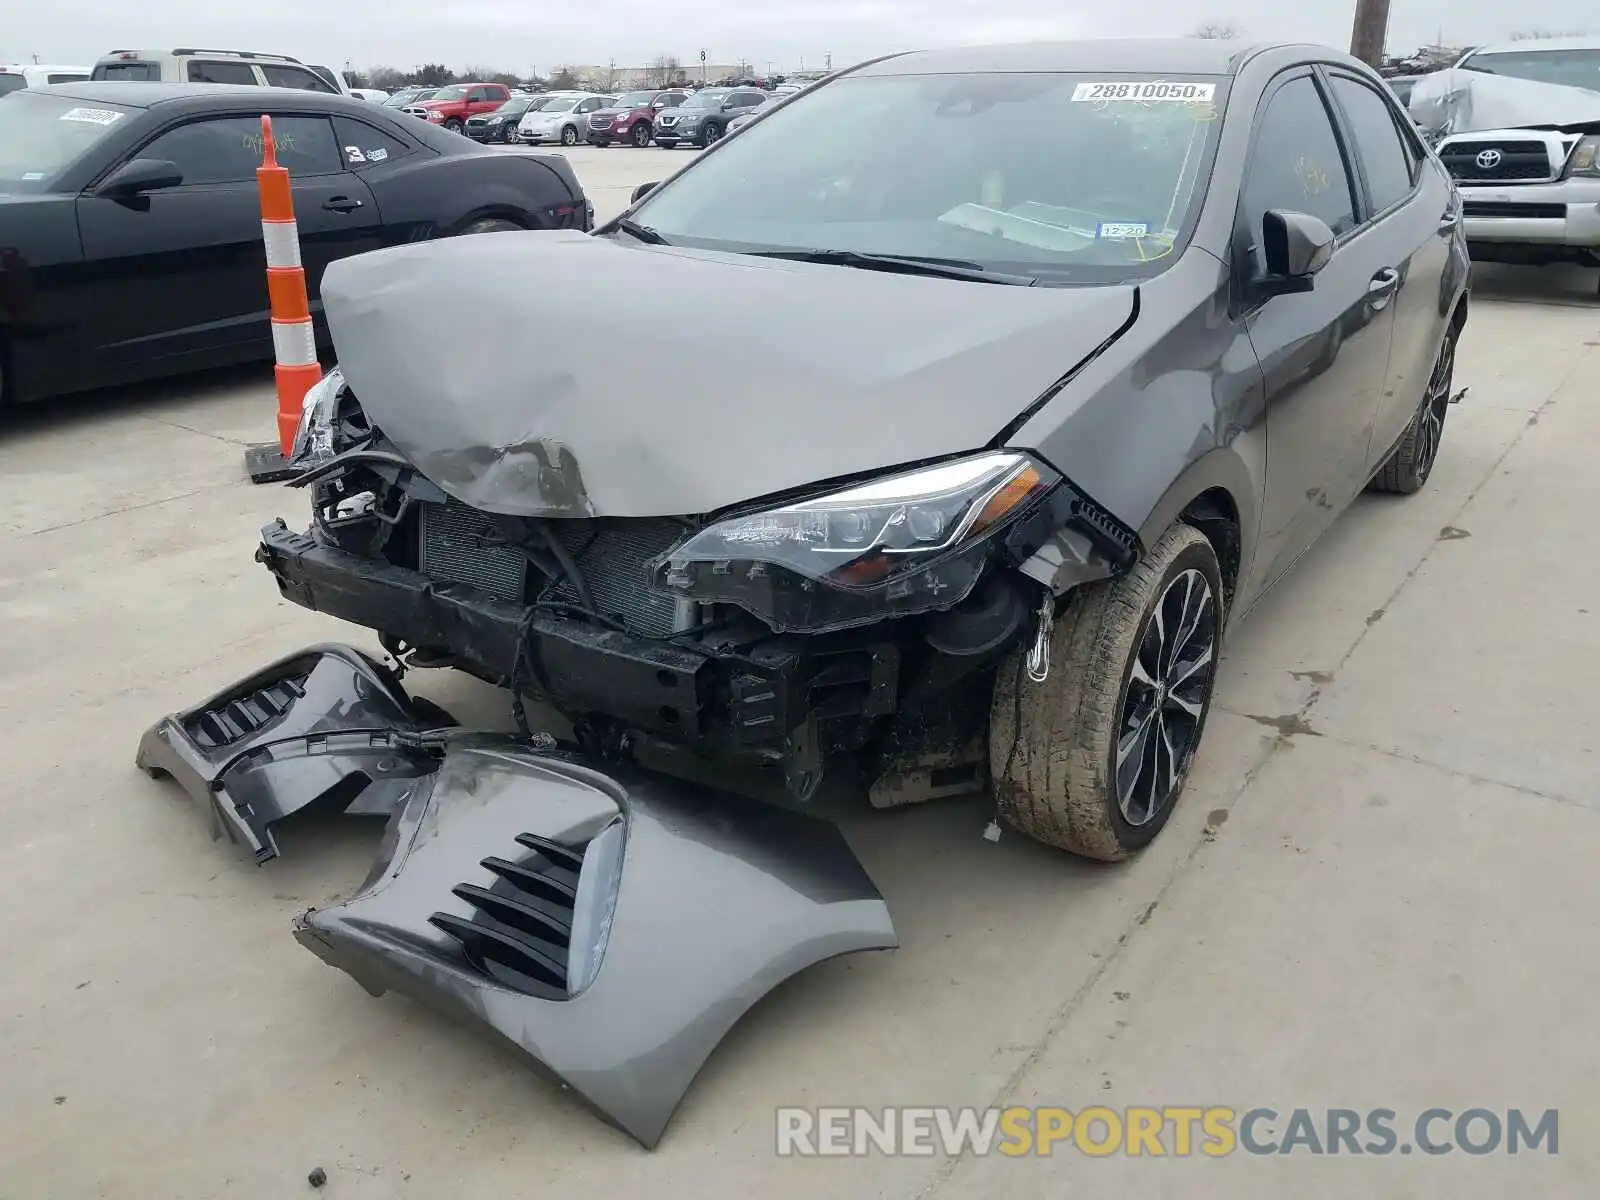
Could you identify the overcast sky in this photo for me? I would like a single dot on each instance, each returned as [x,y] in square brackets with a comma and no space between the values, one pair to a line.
[519,36]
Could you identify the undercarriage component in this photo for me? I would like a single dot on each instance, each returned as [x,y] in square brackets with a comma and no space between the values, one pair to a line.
[327,725]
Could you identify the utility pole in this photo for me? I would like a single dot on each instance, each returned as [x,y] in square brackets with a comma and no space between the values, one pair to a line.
[1370,31]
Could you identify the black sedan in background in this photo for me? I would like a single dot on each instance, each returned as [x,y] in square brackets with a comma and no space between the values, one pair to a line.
[130,224]
[501,124]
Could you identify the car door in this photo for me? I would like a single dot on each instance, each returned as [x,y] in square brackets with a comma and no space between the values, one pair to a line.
[1323,352]
[1410,207]
[185,268]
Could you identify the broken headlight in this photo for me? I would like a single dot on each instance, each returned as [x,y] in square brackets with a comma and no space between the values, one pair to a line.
[894,547]
[313,440]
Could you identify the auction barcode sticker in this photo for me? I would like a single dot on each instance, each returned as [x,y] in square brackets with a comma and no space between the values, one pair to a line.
[93,116]
[1153,89]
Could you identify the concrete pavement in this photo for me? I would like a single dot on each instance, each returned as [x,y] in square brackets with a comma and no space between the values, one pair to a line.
[1379,891]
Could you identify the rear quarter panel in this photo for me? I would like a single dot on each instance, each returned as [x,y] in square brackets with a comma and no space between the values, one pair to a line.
[421,198]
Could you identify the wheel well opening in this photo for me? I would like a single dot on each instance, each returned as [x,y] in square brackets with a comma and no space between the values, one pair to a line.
[1215,515]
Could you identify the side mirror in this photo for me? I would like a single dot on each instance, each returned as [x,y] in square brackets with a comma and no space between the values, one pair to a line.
[1296,246]
[643,190]
[140,175]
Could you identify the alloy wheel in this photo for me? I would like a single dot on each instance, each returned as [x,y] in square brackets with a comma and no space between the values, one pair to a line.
[1435,403]
[569,136]
[1164,700]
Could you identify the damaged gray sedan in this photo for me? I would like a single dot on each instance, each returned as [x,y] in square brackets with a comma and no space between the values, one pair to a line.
[1041,364]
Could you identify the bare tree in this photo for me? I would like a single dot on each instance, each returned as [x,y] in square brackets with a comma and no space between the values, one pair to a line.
[1216,31]
[563,80]
[663,71]
[386,78]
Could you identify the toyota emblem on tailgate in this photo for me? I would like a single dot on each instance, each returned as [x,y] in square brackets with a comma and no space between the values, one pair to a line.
[1488,159]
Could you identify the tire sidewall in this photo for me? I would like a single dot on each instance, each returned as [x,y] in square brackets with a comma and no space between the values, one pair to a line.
[569,136]
[1198,555]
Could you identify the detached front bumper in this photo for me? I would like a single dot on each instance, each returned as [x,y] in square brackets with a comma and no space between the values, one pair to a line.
[612,926]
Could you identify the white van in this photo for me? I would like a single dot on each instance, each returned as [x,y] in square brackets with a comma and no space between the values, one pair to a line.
[190,65]
[22,75]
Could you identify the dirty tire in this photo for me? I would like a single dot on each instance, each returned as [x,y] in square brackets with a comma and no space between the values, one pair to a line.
[1411,461]
[1052,748]
[487,225]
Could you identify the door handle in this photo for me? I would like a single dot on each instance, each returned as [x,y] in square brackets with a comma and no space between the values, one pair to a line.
[1382,288]
[342,204]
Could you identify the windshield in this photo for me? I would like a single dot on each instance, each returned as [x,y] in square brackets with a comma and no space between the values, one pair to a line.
[635,100]
[450,93]
[11,83]
[1572,68]
[704,100]
[557,104]
[513,107]
[42,134]
[1067,177]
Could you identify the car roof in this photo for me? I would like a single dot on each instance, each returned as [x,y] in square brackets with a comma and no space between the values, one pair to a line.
[1591,42]
[1159,56]
[144,94]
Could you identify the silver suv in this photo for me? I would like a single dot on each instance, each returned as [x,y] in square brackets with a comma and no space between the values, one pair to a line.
[191,65]
[1532,195]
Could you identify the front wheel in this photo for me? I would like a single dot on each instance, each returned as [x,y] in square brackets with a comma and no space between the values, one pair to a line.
[639,135]
[453,125]
[711,133]
[1093,759]
[569,135]
[509,136]
[1411,461]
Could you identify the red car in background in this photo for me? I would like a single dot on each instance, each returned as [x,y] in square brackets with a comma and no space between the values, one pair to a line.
[451,106]
[632,118]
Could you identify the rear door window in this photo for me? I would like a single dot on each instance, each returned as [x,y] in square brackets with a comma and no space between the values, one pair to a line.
[280,75]
[201,71]
[1384,154]
[64,77]
[11,83]
[365,146]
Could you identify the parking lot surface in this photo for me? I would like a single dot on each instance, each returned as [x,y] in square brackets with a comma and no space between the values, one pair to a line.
[1379,889]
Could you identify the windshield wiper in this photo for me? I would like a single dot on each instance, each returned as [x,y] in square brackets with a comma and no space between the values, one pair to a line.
[643,232]
[907,264]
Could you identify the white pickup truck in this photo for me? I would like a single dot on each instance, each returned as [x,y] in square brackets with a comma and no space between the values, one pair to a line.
[1518,126]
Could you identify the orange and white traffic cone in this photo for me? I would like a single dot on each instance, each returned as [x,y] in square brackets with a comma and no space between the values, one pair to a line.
[294,342]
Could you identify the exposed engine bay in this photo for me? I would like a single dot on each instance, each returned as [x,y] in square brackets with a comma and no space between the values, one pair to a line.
[861,626]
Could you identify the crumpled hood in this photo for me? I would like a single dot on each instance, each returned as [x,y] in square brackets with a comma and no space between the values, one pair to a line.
[608,378]
[1462,101]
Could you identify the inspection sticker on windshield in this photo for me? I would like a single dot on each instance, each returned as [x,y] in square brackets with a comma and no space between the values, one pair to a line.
[93,116]
[1148,90]
[1122,229]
